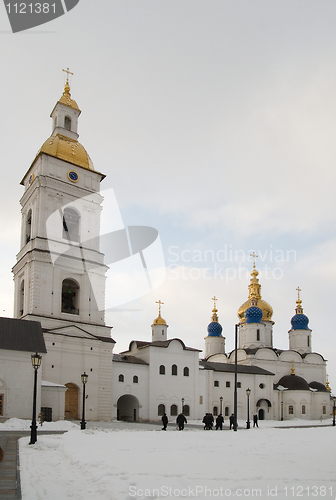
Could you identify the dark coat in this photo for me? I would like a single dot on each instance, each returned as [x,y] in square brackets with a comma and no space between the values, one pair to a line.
[181,419]
[164,419]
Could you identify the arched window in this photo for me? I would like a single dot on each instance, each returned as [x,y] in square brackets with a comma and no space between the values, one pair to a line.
[186,371]
[70,297]
[71,220]
[22,298]
[186,410]
[67,123]
[174,370]
[226,411]
[173,410]
[324,410]
[291,410]
[303,409]
[162,370]
[258,334]
[215,411]
[161,410]
[121,377]
[28,225]
[135,379]
[308,341]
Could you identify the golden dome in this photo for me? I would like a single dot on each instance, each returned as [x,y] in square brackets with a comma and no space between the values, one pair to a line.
[255,293]
[66,98]
[159,320]
[68,150]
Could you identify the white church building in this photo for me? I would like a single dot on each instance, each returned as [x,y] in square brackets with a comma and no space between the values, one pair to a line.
[59,279]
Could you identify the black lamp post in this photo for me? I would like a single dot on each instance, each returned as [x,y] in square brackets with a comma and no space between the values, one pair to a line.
[248,392]
[334,409]
[182,404]
[36,362]
[84,378]
[221,405]
[235,404]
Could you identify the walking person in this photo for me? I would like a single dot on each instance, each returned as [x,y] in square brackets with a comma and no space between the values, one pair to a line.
[181,420]
[164,421]
[219,422]
[232,421]
[255,420]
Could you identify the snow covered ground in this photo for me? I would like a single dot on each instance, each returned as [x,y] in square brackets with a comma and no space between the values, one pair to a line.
[122,461]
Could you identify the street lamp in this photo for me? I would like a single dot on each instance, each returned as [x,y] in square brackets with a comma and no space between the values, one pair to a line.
[36,362]
[221,405]
[182,404]
[84,378]
[248,392]
[334,409]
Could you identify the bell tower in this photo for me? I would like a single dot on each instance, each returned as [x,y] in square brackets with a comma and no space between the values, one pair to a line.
[59,275]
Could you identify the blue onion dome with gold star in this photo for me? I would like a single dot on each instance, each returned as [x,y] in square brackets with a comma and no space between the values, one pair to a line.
[214,328]
[299,321]
[253,314]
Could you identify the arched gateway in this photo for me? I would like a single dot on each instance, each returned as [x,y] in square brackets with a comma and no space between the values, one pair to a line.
[128,408]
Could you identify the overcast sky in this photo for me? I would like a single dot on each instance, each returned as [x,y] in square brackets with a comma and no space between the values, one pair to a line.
[214,122]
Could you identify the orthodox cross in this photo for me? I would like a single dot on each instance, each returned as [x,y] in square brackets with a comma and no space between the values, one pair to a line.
[68,73]
[298,291]
[214,299]
[254,256]
[160,304]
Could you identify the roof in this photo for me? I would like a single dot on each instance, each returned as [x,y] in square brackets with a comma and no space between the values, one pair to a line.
[160,343]
[228,367]
[125,358]
[293,383]
[21,335]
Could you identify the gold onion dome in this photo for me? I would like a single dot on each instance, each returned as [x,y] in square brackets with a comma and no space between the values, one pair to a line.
[255,295]
[68,150]
[159,320]
[66,98]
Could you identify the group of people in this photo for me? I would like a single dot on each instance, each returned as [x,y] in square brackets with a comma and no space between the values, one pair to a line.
[180,421]
[208,421]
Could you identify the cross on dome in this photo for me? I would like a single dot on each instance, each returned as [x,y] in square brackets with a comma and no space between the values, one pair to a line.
[160,304]
[68,73]
[254,257]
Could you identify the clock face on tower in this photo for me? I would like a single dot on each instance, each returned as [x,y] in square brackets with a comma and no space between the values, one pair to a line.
[73,176]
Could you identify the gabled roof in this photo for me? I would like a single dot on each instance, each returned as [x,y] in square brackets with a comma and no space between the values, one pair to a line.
[125,358]
[77,332]
[228,367]
[21,335]
[159,343]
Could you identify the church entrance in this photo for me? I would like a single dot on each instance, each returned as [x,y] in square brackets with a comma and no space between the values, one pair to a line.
[71,402]
[263,407]
[128,408]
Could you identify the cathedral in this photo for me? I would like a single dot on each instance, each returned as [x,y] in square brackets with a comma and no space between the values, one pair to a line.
[59,279]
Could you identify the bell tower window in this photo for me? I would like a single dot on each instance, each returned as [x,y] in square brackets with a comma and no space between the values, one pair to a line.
[22,298]
[67,122]
[70,297]
[71,220]
[28,225]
